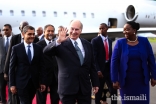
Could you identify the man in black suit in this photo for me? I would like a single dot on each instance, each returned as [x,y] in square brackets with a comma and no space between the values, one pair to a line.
[4,44]
[16,39]
[75,64]
[102,46]
[51,68]
[27,71]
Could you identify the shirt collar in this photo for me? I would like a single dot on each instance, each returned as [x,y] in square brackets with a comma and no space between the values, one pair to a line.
[47,41]
[77,40]
[8,37]
[103,37]
[26,44]
[40,36]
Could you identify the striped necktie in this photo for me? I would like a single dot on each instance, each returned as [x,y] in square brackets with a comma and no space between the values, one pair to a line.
[79,53]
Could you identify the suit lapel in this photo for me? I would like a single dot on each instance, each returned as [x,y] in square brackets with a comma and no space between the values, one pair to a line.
[35,52]
[70,46]
[24,52]
[2,46]
[101,44]
[110,47]
[19,38]
[44,43]
[85,48]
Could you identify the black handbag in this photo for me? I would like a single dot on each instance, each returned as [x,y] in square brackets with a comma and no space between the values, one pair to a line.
[14,99]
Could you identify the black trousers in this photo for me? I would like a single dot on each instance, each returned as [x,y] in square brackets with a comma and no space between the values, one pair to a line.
[27,94]
[3,84]
[106,79]
[42,96]
[79,98]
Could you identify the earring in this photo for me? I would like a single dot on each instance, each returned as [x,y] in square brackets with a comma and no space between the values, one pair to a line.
[134,33]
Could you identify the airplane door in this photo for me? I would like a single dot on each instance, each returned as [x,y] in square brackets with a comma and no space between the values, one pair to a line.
[112,23]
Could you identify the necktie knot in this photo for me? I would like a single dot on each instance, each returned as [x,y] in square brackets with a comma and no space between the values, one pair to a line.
[76,47]
[75,43]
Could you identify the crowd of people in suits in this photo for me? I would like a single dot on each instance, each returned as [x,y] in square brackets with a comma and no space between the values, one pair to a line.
[71,67]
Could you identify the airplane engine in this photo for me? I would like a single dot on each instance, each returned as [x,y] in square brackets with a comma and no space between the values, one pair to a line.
[145,15]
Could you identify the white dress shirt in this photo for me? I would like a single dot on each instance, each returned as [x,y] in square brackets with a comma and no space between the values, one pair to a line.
[79,44]
[31,49]
[47,41]
[103,39]
[39,37]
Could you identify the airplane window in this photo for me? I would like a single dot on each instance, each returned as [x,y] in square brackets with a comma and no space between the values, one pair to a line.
[43,13]
[55,14]
[148,16]
[34,13]
[92,15]
[74,14]
[0,12]
[84,15]
[11,12]
[22,12]
[65,13]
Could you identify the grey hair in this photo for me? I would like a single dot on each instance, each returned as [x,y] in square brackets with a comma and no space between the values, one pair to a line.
[79,21]
[26,28]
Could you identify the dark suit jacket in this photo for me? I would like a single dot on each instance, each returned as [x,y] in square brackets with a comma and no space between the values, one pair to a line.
[2,54]
[51,64]
[16,39]
[73,76]
[120,58]
[100,54]
[21,70]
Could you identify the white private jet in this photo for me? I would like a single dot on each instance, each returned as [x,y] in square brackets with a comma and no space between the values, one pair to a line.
[115,13]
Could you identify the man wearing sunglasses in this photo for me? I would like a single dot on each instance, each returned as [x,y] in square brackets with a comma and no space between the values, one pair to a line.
[4,44]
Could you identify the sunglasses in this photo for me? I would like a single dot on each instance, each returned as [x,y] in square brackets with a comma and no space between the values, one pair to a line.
[5,30]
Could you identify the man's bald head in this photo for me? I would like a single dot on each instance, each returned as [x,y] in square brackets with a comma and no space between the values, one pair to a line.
[75,29]
[77,22]
[40,28]
[23,24]
[39,31]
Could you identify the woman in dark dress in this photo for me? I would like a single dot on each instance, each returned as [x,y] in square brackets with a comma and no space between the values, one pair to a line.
[132,66]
